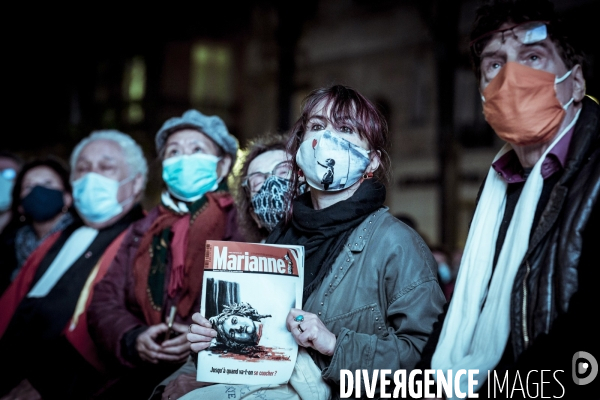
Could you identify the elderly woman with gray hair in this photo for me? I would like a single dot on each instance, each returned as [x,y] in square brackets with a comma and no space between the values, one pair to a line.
[43,320]
[146,300]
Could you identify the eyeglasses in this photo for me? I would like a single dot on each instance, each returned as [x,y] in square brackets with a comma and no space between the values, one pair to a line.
[255,180]
[527,33]
[8,174]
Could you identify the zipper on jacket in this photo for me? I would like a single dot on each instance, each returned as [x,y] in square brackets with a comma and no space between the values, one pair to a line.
[524,307]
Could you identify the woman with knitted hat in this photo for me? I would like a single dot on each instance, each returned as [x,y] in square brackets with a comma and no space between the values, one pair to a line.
[146,300]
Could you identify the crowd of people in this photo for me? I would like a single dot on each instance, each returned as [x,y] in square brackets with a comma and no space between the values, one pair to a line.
[101,298]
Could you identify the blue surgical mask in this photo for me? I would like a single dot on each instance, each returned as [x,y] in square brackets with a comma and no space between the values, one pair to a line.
[444,272]
[7,180]
[42,203]
[330,162]
[95,197]
[188,178]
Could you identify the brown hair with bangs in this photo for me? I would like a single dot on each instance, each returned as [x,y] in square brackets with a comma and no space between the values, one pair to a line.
[348,106]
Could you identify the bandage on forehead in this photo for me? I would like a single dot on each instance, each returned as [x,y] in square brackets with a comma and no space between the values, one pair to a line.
[531,32]
[527,33]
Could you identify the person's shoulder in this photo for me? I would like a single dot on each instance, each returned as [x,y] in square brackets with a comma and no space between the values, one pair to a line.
[141,226]
[388,233]
[394,240]
[397,229]
[586,138]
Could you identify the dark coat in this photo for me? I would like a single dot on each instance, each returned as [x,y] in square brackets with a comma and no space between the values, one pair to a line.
[115,310]
[550,273]
[116,318]
[553,301]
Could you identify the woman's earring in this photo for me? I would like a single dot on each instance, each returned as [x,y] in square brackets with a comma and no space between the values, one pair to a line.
[367,175]
[22,218]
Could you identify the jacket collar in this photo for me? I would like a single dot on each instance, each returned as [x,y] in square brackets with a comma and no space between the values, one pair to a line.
[586,133]
[585,137]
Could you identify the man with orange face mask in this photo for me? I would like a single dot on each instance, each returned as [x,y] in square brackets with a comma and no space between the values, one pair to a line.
[523,304]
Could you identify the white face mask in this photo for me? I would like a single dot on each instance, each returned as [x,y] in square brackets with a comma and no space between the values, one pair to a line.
[95,197]
[330,162]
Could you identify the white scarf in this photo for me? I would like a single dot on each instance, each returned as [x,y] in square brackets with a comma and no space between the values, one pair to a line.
[472,337]
[179,207]
[71,251]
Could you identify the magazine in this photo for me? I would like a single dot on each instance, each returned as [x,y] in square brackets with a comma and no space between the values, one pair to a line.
[248,290]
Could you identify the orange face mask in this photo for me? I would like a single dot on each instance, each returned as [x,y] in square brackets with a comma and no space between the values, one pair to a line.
[521,106]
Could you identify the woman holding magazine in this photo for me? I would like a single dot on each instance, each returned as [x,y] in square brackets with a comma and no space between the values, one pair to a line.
[370,290]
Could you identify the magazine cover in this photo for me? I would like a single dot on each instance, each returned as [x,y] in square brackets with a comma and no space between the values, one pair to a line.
[248,291]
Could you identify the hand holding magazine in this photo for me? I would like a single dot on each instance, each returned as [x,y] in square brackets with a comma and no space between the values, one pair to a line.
[248,291]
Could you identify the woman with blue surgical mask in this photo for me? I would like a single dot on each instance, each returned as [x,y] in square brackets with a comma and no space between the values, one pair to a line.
[157,276]
[192,165]
[8,173]
[10,164]
[46,303]
[263,185]
[9,218]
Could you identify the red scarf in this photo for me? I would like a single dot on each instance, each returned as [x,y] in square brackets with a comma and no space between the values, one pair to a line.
[208,223]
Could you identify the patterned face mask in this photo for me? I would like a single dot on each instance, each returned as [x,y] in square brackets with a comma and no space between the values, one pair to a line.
[269,201]
[331,163]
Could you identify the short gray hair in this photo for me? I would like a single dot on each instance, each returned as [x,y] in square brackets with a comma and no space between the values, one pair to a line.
[134,156]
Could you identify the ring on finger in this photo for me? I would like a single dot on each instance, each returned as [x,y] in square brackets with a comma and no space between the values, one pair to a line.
[190,328]
[300,329]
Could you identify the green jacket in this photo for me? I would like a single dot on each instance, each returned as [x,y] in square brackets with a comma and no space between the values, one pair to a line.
[380,299]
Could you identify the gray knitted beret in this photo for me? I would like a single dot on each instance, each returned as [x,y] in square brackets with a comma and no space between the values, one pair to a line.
[212,126]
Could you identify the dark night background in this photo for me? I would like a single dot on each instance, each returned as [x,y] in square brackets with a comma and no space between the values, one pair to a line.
[64,77]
